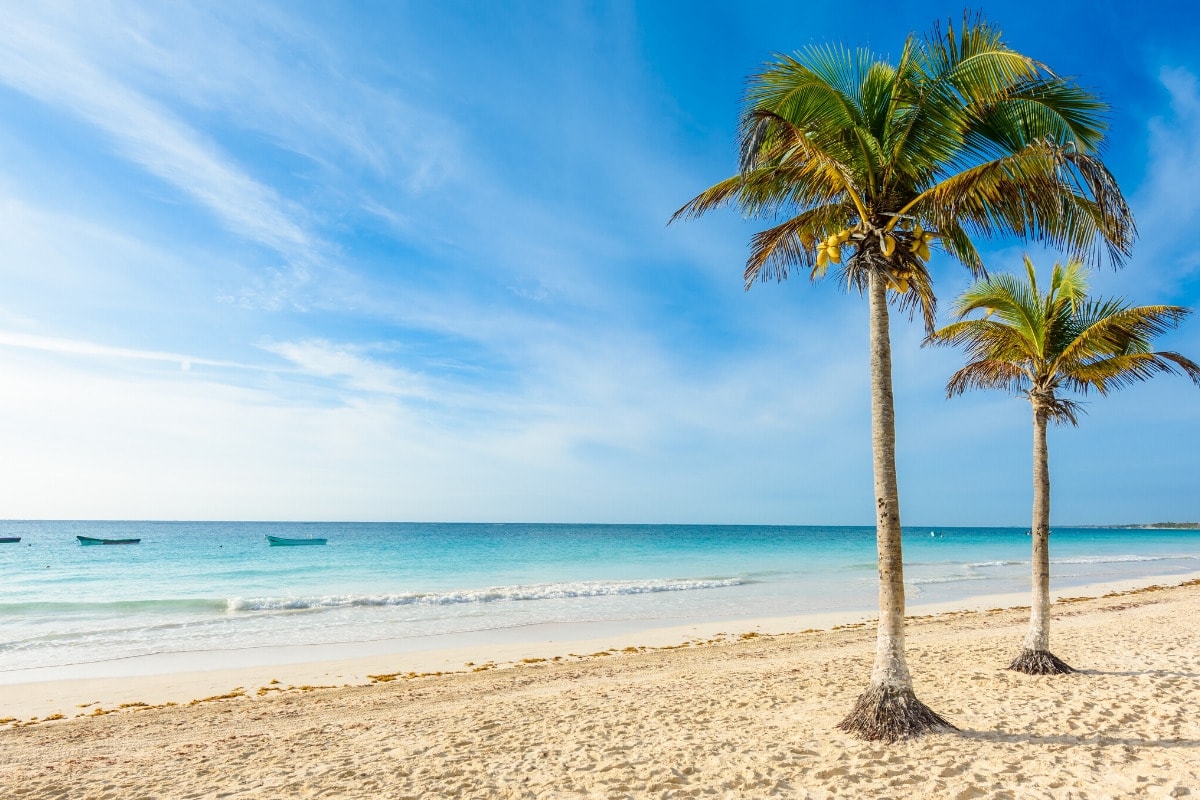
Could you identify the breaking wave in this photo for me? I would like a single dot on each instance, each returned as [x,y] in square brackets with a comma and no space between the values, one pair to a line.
[1123,559]
[495,594]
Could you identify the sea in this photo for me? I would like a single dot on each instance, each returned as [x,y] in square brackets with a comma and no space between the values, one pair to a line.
[203,587]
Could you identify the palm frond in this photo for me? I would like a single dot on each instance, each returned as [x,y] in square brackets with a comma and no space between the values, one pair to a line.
[1049,108]
[815,93]
[987,374]
[1042,192]
[957,70]
[1117,372]
[1063,410]
[715,196]
[920,296]
[775,249]
[1068,284]
[777,143]
[1058,339]
[985,339]
[1011,301]
[957,242]
[1110,327]
[765,191]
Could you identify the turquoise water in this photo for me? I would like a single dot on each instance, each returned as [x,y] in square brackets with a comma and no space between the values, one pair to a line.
[193,587]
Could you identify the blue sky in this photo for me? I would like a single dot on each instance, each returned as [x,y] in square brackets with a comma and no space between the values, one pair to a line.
[410,261]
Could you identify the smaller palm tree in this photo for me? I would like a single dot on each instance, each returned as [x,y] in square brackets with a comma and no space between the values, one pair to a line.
[1037,345]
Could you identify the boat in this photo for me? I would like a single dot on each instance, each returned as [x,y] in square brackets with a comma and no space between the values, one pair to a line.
[9,539]
[93,540]
[283,541]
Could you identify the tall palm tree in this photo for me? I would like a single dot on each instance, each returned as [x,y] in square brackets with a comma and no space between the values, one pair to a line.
[871,163]
[1036,345]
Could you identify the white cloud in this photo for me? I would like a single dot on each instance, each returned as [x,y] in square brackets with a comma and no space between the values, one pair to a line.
[359,373]
[93,350]
[1166,204]
[35,61]
[611,432]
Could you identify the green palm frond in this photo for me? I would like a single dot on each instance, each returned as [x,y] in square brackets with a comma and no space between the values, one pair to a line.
[1117,372]
[814,89]
[761,192]
[1039,110]
[1111,327]
[1043,192]
[1067,284]
[962,137]
[1005,298]
[973,59]
[715,196]
[958,72]
[778,144]
[1057,339]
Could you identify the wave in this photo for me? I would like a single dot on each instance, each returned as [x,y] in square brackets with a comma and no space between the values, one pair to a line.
[944,579]
[1123,559]
[121,607]
[983,564]
[496,594]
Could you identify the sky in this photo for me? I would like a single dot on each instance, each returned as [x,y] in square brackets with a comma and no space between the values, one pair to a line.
[411,261]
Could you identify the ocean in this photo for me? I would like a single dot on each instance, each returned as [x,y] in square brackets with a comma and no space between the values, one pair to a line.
[201,587]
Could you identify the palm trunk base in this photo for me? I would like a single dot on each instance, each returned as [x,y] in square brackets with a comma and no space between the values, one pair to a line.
[889,715]
[1039,662]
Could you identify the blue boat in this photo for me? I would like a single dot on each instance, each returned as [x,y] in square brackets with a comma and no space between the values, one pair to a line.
[92,540]
[282,541]
[9,539]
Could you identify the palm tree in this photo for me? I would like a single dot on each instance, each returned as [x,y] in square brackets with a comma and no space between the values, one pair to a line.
[1036,345]
[871,163]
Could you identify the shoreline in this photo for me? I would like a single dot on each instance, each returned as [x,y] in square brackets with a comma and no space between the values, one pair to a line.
[172,678]
[745,715]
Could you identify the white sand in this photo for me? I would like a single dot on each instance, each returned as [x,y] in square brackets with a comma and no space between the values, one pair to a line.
[740,717]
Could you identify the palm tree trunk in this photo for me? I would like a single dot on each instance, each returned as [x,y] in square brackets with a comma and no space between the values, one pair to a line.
[888,710]
[1035,657]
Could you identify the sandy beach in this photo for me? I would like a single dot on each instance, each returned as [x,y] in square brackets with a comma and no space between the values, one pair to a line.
[730,713]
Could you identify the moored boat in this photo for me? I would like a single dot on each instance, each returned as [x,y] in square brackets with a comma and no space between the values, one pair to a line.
[283,541]
[9,539]
[93,540]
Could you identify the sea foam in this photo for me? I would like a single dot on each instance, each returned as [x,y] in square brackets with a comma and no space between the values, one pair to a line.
[548,591]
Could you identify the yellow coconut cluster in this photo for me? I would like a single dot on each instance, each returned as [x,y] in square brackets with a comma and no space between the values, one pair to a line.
[920,242]
[829,251]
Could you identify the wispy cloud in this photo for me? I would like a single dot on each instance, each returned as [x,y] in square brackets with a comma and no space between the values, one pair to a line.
[94,350]
[1166,204]
[348,363]
[37,62]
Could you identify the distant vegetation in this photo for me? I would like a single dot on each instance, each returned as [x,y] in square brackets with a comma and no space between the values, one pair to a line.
[1164,525]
